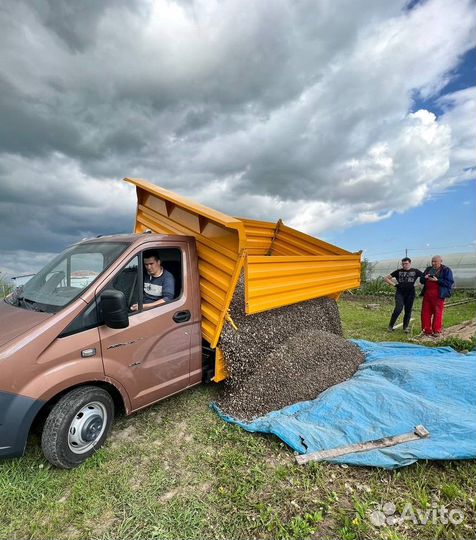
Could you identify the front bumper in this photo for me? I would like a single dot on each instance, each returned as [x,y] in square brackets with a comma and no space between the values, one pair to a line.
[16,416]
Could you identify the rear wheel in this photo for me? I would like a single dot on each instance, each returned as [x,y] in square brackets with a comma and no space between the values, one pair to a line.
[77,426]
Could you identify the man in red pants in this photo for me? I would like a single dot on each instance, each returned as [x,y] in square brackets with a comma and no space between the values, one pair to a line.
[438,281]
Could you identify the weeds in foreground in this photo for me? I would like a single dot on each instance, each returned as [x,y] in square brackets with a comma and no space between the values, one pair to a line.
[5,286]
[456,343]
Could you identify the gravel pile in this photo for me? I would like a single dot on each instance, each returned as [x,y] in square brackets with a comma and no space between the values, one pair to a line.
[282,356]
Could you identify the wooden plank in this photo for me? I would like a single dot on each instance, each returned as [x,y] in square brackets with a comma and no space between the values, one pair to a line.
[458,303]
[401,324]
[420,432]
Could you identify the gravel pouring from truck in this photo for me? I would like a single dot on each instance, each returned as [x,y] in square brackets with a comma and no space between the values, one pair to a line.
[72,352]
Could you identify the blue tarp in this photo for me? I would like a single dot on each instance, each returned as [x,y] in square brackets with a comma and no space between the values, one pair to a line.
[398,387]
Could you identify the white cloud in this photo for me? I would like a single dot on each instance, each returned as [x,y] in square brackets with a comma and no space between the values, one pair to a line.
[460,112]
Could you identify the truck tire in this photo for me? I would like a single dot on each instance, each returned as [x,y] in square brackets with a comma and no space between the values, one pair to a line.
[77,426]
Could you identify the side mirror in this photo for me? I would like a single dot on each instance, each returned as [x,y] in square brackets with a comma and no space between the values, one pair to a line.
[114,309]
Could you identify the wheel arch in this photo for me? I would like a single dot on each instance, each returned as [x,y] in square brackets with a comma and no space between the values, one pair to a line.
[120,405]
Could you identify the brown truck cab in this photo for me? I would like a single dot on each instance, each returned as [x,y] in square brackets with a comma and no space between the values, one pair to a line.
[78,341]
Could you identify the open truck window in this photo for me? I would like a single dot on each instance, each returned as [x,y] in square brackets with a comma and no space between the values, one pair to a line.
[127,281]
[67,276]
[171,261]
[133,279]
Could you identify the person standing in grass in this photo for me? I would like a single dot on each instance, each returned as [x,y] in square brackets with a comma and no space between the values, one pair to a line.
[403,279]
[438,282]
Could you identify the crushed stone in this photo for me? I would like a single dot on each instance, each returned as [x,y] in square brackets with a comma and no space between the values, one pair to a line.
[283,356]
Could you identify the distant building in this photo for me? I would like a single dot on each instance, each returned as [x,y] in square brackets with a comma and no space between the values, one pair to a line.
[462,264]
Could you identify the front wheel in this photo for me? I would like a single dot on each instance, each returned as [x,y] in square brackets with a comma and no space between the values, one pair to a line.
[77,426]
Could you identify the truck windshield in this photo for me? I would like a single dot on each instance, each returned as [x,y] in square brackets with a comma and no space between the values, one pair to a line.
[66,276]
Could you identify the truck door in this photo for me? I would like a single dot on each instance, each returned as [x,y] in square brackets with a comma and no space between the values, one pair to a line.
[151,358]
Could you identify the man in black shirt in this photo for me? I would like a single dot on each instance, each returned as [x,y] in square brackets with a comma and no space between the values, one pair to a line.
[404,281]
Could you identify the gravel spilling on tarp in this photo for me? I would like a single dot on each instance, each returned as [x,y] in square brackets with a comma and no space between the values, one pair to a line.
[282,356]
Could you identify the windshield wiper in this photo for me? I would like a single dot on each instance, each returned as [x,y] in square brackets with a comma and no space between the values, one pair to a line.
[30,304]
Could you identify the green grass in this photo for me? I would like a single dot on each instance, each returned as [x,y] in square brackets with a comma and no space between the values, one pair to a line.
[177,471]
[362,323]
[6,286]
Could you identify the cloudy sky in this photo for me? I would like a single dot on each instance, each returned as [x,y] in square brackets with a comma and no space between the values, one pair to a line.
[350,120]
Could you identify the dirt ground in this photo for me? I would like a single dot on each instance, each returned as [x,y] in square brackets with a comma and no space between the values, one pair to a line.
[465,330]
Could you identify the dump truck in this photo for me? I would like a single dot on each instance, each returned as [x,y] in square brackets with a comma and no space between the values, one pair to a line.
[77,343]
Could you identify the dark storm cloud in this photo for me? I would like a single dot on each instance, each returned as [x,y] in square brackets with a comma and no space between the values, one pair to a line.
[51,216]
[37,234]
[75,23]
[31,127]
